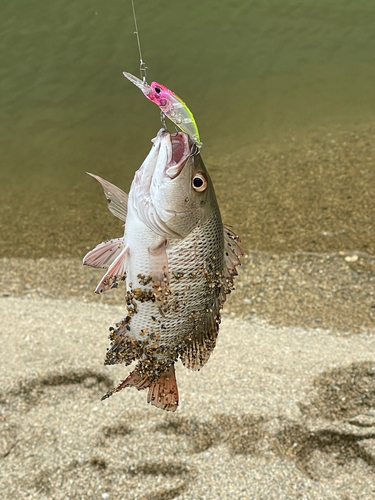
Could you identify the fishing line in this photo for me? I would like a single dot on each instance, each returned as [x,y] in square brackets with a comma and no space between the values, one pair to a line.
[142,65]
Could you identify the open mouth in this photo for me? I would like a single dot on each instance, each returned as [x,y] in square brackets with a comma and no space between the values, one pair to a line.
[180,152]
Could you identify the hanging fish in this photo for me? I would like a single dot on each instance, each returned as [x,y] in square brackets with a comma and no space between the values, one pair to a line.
[170,105]
[179,263]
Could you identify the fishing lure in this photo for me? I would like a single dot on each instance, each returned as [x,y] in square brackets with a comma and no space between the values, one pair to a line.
[170,105]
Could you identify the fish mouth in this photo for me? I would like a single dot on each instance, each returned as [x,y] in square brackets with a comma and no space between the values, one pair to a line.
[181,149]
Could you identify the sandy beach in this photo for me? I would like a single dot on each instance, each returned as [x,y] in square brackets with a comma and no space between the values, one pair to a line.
[279,412]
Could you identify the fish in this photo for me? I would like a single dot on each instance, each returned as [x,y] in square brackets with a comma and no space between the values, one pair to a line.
[178,261]
[170,105]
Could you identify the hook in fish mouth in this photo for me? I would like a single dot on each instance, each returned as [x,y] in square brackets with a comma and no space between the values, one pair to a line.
[181,150]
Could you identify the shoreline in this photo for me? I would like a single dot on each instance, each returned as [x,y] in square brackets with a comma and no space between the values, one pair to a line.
[333,291]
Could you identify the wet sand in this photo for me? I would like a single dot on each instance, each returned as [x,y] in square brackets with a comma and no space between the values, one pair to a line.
[310,193]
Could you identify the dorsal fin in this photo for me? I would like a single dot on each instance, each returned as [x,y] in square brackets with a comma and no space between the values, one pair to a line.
[117,199]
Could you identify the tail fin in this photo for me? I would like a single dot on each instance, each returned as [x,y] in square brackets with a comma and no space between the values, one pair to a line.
[162,393]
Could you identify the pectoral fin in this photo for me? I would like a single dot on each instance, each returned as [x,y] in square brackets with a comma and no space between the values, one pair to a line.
[160,275]
[104,254]
[115,273]
[117,199]
[159,264]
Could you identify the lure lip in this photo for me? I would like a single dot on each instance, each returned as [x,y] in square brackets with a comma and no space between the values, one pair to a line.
[145,87]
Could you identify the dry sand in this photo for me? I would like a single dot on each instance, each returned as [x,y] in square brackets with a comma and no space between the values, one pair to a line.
[279,412]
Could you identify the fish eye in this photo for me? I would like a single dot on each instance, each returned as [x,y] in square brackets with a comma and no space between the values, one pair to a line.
[199,183]
[157,90]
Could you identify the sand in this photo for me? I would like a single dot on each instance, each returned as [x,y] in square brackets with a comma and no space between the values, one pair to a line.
[279,412]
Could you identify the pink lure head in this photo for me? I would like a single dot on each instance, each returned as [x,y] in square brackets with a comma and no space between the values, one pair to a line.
[155,92]
[161,96]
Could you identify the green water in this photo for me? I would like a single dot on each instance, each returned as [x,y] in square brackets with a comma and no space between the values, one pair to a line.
[254,73]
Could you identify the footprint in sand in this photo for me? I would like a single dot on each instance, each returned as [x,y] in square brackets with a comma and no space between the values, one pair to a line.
[242,433]
[164,479]
[38,427]
[338,428]
[43,434]
[31,391]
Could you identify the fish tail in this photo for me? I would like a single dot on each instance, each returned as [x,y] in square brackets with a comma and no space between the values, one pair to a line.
[162,393]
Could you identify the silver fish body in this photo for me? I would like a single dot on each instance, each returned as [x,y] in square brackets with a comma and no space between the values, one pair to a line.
[178,261]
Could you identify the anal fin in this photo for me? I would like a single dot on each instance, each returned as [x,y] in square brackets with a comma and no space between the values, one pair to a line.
[159,264]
